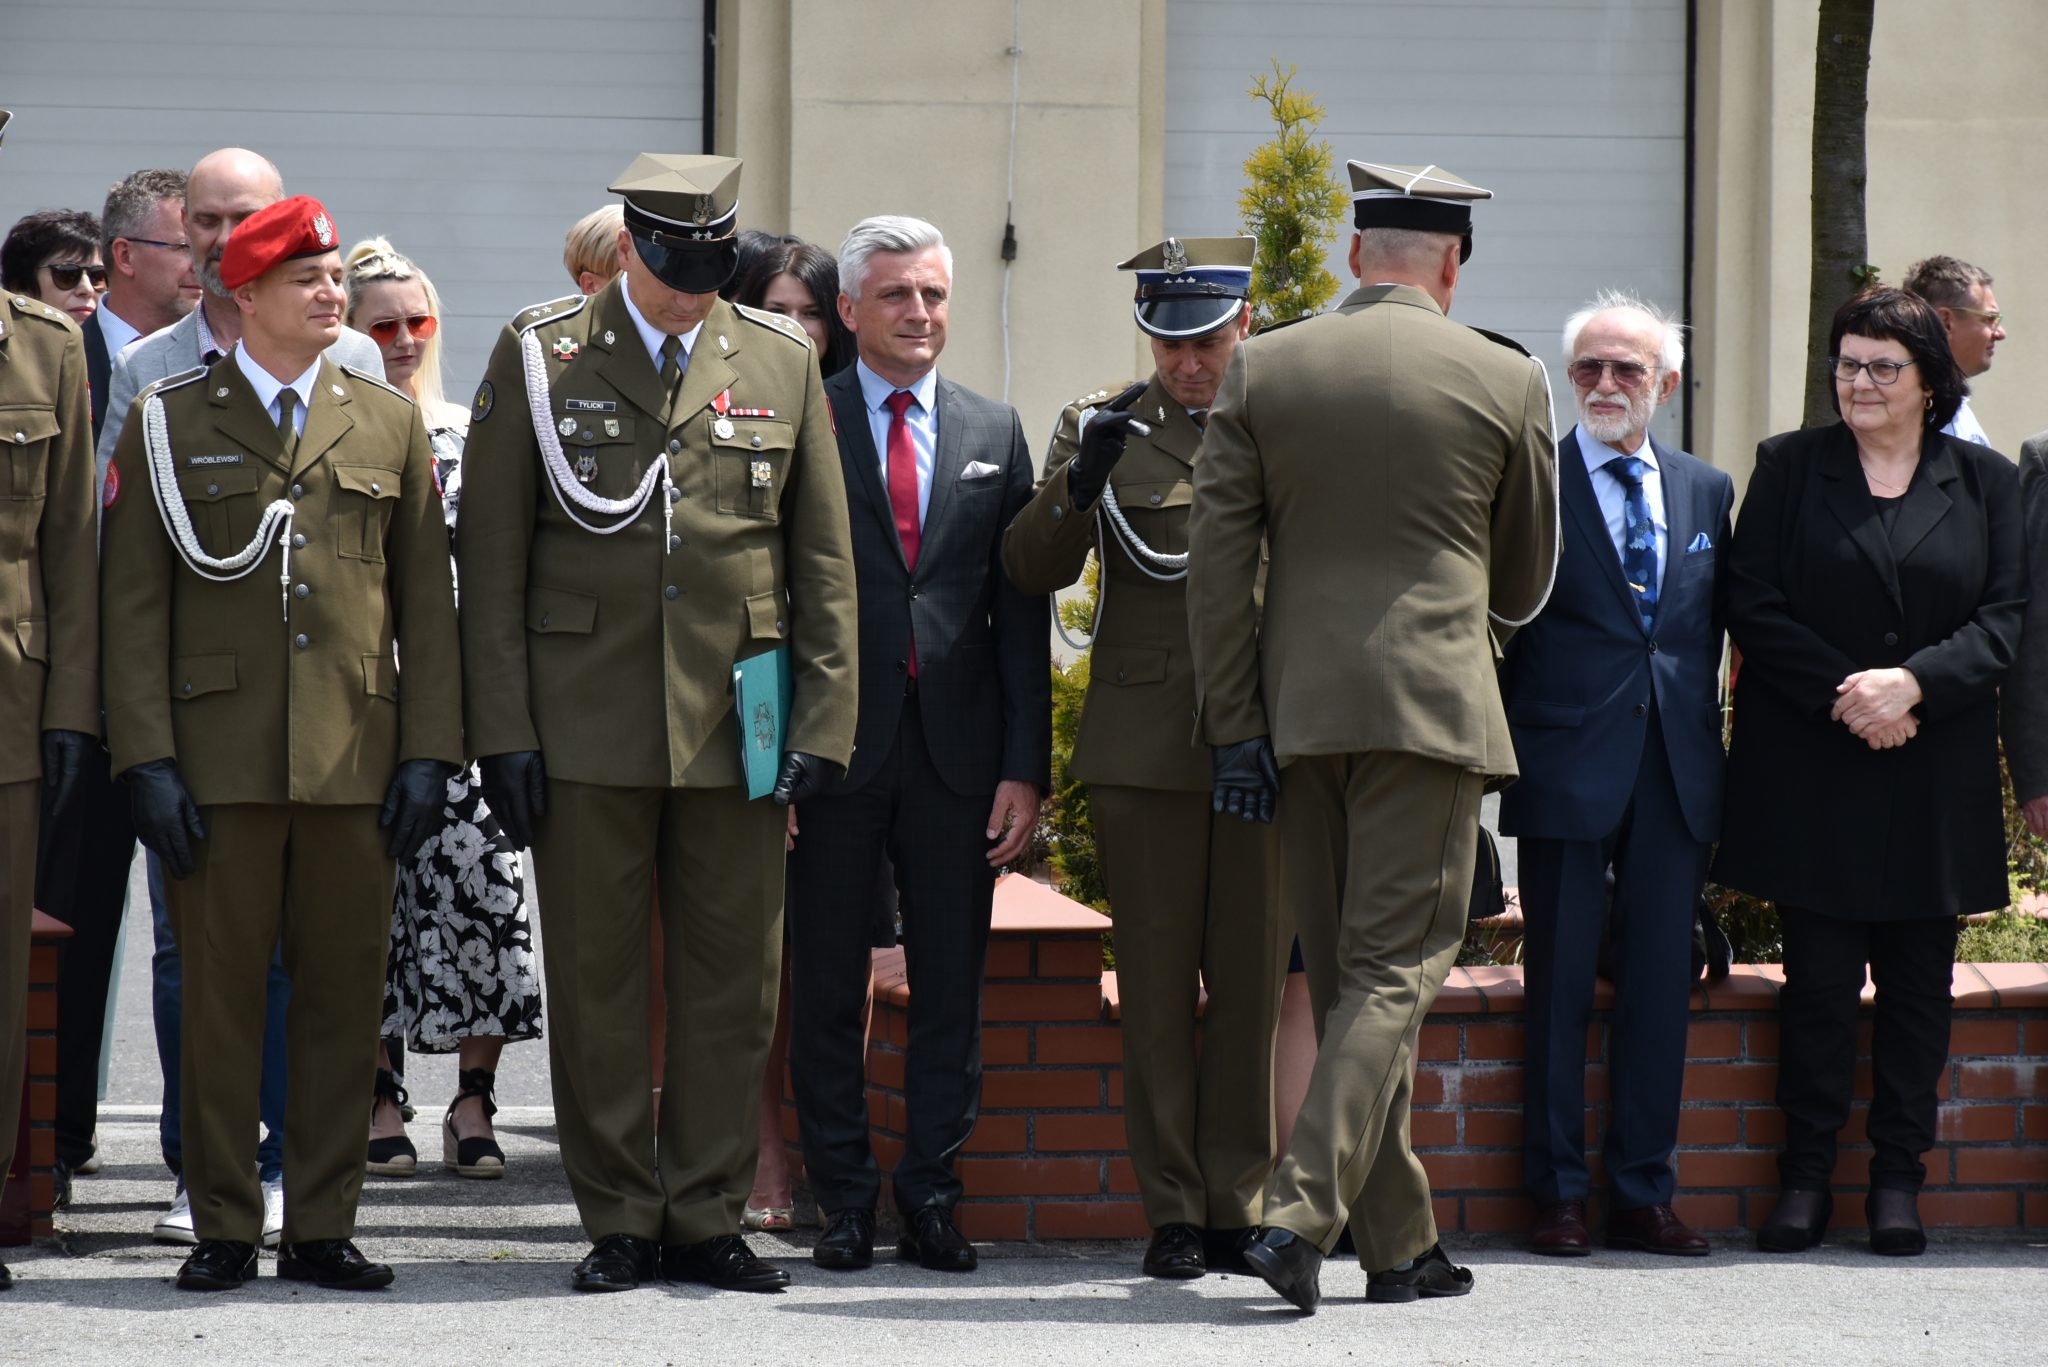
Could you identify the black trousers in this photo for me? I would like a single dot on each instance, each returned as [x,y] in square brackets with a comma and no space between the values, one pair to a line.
[1911,964]
[82,860]
[1658,868]
[936,838]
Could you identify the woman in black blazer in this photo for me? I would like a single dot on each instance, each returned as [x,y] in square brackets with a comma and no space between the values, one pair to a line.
[1876,584]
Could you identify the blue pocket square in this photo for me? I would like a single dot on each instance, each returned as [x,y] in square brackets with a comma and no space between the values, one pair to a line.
[1700,542]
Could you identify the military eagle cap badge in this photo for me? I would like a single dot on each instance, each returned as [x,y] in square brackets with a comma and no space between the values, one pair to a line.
[1176,257]
[323,230]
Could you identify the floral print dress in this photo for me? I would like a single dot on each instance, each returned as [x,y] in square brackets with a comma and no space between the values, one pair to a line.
[461,961]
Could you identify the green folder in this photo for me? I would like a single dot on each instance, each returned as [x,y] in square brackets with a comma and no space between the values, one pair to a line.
[761,693]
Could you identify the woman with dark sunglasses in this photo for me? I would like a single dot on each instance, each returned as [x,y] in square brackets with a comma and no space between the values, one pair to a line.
[54,255]
[461,977]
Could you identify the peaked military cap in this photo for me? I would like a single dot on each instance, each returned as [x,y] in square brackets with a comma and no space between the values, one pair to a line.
[683,214]
[1191,286]
[1427,198]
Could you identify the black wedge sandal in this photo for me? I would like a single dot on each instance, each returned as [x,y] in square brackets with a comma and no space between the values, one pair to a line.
[393,1156]
[478,1156]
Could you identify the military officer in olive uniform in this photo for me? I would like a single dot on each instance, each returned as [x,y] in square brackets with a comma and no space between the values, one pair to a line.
[1187,886]
[651,494]
[1401,468]
[49,631]
[273,543]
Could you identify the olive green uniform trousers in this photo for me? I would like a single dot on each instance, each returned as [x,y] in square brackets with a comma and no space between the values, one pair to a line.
[601,855]
[1189,891]
[313,879]
[1375,856]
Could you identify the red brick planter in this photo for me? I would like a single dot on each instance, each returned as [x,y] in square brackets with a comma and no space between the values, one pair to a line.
[32,1181]
[1048,1160]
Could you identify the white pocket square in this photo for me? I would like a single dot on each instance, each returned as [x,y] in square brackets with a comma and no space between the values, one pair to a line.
[980,469]
[1700,542]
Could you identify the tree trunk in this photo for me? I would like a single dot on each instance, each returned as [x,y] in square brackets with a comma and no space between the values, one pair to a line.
[1841,247]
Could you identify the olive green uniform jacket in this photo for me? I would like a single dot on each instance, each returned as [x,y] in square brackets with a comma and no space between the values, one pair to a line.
[49,552]
[1395,531]
[613,654]
[260,697]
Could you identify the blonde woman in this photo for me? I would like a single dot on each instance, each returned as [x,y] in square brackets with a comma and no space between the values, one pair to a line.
[590,251]
[461,976]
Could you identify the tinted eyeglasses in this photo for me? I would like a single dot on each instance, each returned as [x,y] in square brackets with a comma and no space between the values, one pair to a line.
[1881,372]
[159,242]
[420,325]
[65,276]
[1585,373]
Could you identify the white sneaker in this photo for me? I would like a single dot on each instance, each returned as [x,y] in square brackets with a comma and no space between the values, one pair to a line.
[273,1212]
[176,1226]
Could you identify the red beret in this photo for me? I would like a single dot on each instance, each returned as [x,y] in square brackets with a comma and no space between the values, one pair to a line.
[299,226]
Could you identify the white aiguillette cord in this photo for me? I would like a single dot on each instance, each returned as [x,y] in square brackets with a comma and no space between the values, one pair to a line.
[563,480]
[1109,511]
[170,505]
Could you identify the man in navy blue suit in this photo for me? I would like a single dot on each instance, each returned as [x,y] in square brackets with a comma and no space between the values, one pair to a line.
[1612,694]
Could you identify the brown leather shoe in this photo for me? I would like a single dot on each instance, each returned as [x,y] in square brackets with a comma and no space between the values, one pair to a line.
[1654,1229]
[1561,1230]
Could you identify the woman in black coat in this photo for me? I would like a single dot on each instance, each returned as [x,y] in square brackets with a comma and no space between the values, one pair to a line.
[1876,585]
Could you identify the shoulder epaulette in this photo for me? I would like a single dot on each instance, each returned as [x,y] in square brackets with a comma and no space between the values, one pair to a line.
[1097,396]
[1510,343]
[177,381]
[778,322]
[553,311]
[1279,323]
[36,308]
[378,381]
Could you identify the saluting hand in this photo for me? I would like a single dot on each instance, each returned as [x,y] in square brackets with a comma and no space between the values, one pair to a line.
[1102,446]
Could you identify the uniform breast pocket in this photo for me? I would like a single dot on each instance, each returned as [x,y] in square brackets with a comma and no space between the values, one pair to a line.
[750,465]
[1158,511]
[364,498]
[225,505]
[25,435]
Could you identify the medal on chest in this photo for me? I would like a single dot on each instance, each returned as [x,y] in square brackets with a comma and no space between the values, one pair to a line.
[586,467]
[721,426]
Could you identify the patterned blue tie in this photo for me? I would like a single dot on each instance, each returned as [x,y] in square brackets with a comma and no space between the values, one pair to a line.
[1639,536]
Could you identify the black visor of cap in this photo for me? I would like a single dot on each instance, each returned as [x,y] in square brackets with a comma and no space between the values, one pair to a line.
[693,268]
[1424,215]
[1187,315]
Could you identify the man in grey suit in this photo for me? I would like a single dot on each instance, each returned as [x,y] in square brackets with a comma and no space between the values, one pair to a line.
[223,189]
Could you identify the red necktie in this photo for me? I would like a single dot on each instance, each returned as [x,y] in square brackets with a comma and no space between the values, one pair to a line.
[903,485]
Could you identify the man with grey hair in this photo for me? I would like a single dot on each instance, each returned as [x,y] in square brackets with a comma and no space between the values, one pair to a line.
[954,722]
[1961,295]
[1612,696]
[150,281]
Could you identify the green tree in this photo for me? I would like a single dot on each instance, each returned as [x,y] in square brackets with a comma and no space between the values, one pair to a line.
[1292,203]
[1066,829]
[1841,99]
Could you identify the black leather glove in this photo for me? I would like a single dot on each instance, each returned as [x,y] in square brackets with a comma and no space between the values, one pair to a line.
[1102,446]
[1247,779]
[413,805]
[166,817]
[803,777]
[64,758]
[516,789]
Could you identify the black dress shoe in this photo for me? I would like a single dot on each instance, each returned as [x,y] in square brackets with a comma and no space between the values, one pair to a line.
[6,1278]
[333,1263]
[1290,1264]
[1176,1253]
[1432,1274]
[1798,1223]
[218,1265]
[1223,1249]
[1895,1229]
[848,1243]
[723,1261]
[931,1241]
[617,1262]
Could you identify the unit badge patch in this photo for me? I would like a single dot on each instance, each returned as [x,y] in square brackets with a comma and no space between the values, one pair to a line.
[480,407]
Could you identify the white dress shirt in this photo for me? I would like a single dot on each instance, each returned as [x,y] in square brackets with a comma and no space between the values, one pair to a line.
[922,417]
[654,336]
[268,387]
[1965,425]
[1612,493]
[115,332]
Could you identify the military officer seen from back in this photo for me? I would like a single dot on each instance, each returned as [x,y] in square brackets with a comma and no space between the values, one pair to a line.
[1187,885]
[273,541]
[1402,469]
[49,632]
[652,494]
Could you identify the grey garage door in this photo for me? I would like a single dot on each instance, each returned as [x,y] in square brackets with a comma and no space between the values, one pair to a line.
[1573,114]
[472,133]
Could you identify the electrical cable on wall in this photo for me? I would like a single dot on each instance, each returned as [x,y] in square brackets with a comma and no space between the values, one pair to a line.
[1016,51]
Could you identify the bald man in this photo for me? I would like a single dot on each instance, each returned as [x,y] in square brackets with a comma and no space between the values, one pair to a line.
[224,188]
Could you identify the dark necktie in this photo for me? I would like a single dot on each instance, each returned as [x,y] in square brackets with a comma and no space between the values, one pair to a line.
[903,484]
[287,431]
[1638,536]
[672,367]
[1201,417]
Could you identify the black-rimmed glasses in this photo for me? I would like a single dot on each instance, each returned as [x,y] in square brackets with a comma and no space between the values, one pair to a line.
[1881,372]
